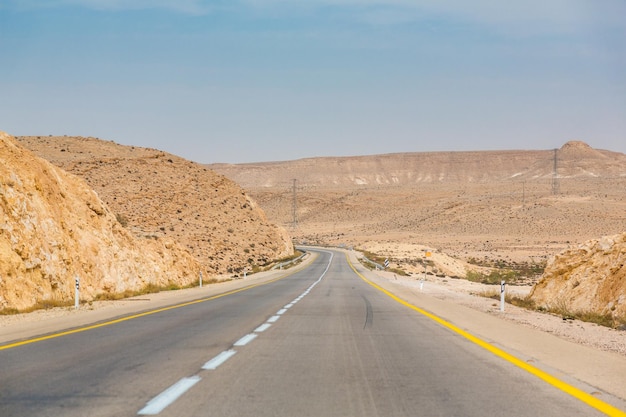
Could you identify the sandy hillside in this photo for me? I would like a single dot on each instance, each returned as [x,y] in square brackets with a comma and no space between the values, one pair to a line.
[477,206]
[158,195]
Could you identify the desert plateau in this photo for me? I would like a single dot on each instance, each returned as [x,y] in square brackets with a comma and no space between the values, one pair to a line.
[550,221]
[470,212]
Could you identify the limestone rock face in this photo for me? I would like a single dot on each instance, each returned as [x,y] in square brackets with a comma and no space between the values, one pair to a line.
[54,227]
[589,278]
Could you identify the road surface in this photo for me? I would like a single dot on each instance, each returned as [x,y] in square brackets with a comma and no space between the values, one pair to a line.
[319,342]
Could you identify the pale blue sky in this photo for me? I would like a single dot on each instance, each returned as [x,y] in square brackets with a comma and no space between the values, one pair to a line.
[262,80]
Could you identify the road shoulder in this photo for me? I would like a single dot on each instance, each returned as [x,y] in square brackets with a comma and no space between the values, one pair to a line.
[595,371]
[42,322]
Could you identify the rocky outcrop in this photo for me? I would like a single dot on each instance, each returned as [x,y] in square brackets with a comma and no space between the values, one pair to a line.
[588,278]
[54,228]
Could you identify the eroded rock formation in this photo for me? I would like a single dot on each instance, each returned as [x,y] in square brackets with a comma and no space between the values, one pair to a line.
[587,278]
[54,228]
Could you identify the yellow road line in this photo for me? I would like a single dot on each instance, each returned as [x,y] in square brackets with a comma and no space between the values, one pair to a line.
[134,316]
[563,386]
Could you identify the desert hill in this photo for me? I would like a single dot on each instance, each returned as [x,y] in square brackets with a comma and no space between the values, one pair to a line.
[506,205]
[156,195]
[574,160]
[54,228]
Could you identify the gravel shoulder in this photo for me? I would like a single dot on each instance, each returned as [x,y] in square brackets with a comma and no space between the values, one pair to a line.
[470,294]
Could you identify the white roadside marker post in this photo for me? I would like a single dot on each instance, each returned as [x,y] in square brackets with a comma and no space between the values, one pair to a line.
[76,292]
[428,254]
[200,279]
[502,287]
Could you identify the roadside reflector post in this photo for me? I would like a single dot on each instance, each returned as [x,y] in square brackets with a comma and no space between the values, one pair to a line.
[502,287]
[200,279]
[76,291]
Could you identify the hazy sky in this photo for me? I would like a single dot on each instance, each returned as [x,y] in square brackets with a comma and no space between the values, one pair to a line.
[261,80]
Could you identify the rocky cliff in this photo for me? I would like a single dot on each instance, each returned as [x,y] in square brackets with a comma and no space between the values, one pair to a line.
[587,278]
[54,228]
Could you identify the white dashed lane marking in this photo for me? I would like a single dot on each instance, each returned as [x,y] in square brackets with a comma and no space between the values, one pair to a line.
[273,319]
[158,403]
[218,360]
[262,328]
[245,340]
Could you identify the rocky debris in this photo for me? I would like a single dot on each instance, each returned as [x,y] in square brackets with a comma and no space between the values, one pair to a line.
[55,228]
[588,278]
[158,195]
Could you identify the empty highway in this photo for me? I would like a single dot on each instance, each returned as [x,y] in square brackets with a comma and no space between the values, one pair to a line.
[321,341]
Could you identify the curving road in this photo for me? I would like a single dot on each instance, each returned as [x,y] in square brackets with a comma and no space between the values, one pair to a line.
[319,342]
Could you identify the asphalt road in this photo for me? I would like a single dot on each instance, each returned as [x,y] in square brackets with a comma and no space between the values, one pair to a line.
[320,342]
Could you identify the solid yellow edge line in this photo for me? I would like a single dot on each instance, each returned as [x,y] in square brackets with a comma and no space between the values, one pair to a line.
[563,386]
[134,316]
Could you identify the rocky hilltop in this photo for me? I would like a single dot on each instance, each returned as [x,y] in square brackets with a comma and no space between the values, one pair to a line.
[156,195]
[54,228]
[590,277]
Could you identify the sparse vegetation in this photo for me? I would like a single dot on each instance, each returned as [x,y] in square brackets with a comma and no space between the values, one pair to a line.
[9,311]
[524,302]
[148,289]
[121,219]
[494,277]
[39,305]
[379,259]
[398,271]
[513,271]
[559,309]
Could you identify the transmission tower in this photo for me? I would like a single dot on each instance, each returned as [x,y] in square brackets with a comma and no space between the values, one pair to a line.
[293,206]
[555,176]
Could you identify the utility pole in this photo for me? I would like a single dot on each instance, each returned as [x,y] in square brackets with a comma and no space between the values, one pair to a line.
[293,207]
[555,176]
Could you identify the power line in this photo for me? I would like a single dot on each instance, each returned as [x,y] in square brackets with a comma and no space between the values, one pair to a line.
[294,206]
[555,175]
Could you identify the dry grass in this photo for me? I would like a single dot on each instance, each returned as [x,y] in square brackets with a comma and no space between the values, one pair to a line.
[559,309]
[39,305]
[148,289]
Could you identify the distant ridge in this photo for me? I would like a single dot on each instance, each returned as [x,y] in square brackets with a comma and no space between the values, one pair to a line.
[574,159]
